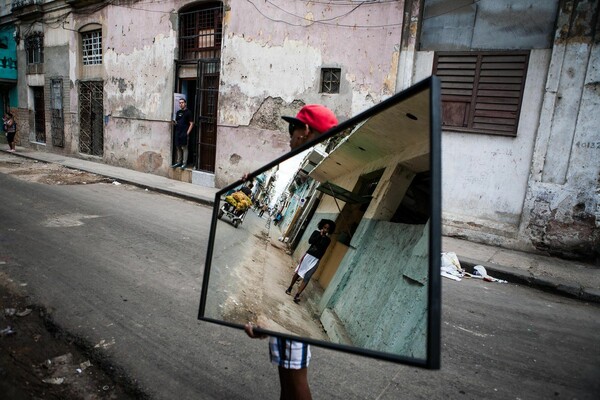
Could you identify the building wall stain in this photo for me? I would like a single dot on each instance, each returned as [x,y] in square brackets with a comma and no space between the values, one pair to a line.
[270,111]
[560,229]
[149,161]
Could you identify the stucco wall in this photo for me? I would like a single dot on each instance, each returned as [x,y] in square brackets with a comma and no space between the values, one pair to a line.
[540,189]
[139,89]
[241,150]
[451,25]
[279,63]
[380,289]
[563,203]
[485,177]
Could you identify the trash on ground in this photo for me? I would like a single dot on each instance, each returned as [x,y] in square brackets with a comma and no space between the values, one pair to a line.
[116,183]
[54,381]
[84,365]
[64,359]
[24,313]
[452,269]
[480,272]
[9,312]
[8,331]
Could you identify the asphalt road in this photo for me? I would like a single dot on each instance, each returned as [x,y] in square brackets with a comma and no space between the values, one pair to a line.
[122,268]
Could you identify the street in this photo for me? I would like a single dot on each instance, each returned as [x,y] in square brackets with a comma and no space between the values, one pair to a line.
[122,265]
[250,272]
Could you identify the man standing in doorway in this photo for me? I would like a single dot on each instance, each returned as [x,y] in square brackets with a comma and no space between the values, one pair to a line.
[183,126]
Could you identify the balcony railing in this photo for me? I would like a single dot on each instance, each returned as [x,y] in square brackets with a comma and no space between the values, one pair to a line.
[17,4]
[26,9]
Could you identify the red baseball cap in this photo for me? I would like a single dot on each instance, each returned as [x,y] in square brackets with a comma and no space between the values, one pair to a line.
[318,117]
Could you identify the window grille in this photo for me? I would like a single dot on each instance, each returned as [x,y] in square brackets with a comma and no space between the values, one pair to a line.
[91,44]
[34,46]
[56,108]
[482,91]
[200,33]
[330,80]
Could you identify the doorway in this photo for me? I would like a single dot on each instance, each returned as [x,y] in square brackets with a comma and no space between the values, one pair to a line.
[198,70]
[91,110]
[39,115]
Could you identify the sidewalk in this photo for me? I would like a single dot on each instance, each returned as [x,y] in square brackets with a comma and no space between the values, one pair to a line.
[568,278]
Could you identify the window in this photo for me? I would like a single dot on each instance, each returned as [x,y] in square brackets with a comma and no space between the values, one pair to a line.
[330,80]
[481,91]
[34,46]
[200,32]
[91,44]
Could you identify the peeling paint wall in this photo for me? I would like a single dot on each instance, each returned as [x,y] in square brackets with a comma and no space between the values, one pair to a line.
[55,66]
[139,89]
[540,189]
[271,64]
[384,287]
[487,24]
[563,201]
[485,177]
[137,71]
[272,60]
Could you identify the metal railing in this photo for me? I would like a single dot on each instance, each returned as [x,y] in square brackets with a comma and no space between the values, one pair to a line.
[16,4]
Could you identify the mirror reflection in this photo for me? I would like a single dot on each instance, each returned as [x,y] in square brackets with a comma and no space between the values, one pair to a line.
[332,244]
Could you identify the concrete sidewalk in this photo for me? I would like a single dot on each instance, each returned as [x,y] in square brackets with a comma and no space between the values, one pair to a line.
[558,276]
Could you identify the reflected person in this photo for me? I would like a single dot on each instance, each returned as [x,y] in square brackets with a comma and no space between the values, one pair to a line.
[319,241]
[292,357]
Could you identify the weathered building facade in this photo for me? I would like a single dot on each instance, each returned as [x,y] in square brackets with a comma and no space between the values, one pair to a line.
[520,145]
[112,69]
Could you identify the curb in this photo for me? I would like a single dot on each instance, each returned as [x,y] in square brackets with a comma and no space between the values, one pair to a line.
[547,284]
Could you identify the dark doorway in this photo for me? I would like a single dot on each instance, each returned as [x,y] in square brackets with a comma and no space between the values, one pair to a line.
[57,124]
[91,131]
[200,34]
[188,87]
[39,115]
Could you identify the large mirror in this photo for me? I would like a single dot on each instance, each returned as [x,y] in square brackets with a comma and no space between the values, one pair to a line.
[363,201]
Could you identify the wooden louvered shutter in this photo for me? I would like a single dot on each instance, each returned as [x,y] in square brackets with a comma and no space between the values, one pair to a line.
[482,91]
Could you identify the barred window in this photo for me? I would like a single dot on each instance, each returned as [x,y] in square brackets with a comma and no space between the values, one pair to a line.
[330,80]
[481,91]
[200,31]
[34,46]
[91,44]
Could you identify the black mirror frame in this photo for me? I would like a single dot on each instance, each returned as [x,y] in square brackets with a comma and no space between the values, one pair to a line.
[434,291]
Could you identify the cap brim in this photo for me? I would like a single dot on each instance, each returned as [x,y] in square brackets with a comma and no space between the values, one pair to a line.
[293,120]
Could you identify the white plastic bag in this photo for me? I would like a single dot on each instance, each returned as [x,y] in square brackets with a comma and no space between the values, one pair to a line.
[451,266]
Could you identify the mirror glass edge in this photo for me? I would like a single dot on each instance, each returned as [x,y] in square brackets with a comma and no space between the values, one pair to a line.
[435,239]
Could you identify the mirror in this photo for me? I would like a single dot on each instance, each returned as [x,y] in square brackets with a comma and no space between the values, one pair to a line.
[374,288]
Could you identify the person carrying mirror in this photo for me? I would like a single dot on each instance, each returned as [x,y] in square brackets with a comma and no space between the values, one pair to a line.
[292,357]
